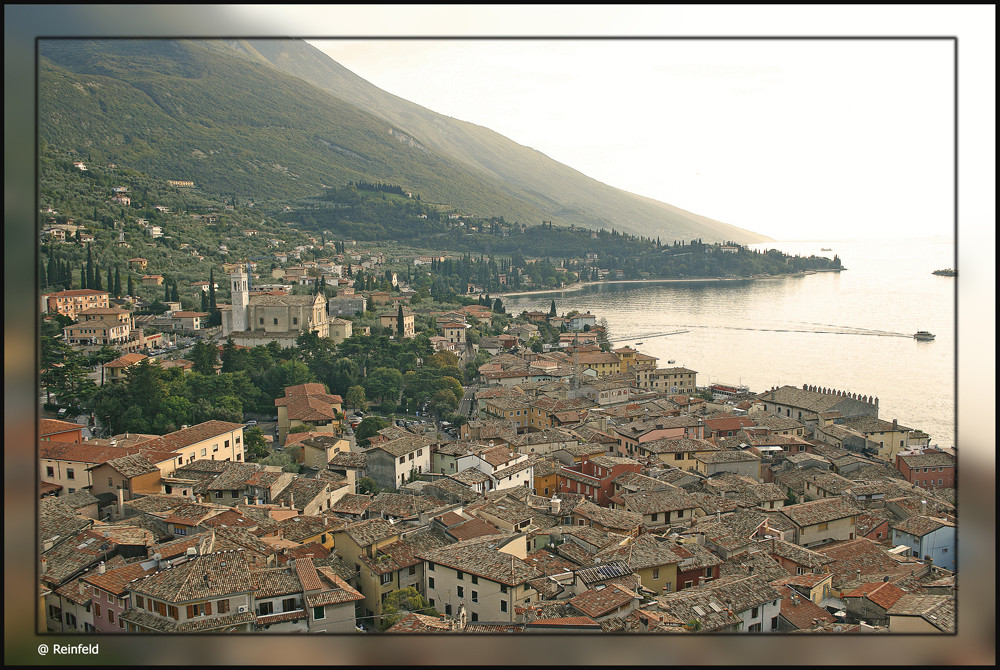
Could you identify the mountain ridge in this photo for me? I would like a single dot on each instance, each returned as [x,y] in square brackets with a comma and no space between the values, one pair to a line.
[210,108]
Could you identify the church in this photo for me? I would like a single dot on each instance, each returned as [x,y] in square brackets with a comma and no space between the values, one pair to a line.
[252,320]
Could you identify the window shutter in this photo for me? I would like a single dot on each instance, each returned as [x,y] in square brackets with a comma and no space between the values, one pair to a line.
[208,608]
[190,609]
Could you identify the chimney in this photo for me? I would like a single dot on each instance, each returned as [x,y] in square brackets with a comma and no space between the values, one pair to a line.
[795,601]
[923,508]
[895,424]
[45,565]
[101,569]
[291,500]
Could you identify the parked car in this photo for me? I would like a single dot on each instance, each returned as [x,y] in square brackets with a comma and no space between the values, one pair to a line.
[251,422]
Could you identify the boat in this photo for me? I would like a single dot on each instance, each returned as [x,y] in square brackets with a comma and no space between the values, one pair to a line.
[638,344]
[671,362]
[923,336]
[826,249]
[948,272]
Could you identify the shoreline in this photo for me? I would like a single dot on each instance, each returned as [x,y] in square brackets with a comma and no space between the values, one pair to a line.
[582,285]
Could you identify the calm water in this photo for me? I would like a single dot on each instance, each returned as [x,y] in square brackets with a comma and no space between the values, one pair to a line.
[850,330]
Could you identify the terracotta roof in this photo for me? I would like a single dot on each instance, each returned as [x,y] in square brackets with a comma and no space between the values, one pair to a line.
[819,511]
[210,576]
[662,500]
[883,594]
[937,610]
[116,580]
[473,528]
[420,623]
[801,612]
[352,503]
[600,601]
[482,557]
[126,360]
[53,426]
[370,531]
[919,525]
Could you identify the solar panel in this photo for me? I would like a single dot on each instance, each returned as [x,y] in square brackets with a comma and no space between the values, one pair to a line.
[698,610]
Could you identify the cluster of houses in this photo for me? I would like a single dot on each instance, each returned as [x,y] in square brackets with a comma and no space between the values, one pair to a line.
[551,512]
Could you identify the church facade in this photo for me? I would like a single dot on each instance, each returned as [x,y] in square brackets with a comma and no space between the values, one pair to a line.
[253,320]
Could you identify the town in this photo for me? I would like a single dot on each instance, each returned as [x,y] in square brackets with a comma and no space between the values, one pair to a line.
[349,445]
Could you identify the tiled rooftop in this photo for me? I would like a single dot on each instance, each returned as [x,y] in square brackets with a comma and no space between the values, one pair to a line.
[480,556]
[213,575]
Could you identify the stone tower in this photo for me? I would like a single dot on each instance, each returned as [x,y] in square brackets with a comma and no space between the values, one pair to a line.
[240,298]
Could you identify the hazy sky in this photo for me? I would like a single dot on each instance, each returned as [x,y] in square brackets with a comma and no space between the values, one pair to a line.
[796,139]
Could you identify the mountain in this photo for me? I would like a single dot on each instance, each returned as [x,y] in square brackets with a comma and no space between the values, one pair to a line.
[278,119]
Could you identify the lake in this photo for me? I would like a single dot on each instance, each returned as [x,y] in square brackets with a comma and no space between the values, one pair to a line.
[851,330]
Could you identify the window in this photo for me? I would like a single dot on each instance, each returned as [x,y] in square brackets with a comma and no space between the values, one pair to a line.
[70,620]
[475,579]
[822,526]
[655,517]
[276,321]
[263,609]
[262,321]
[222,606]
[50,471]
[110,482]
[402,459]
[413,569]
[447,609]
[503,605]
[754,612]
[475,617]
[70,474]
[218,494]
[138,602]
[319,612]
[386,578]
[204,451]
[461,592]
[430,566]
[430,582]
[475,596]
[295,320]
[656,573]
[411,456]
[459,575]
[688,584]
[172,612]
[111,616]
[503,588]
[755,628]
[431,601]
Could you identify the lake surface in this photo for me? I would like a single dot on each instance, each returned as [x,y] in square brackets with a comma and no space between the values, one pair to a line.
[851,330]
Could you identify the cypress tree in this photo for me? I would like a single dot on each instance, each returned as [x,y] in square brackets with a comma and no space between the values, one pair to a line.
[131,292]
[211,290]
[204,302]
[83,277]
[97,281]
[42,277]
[118,283]
[399,321]
[166,291]
[173,293]
[90,270]
[111,281]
